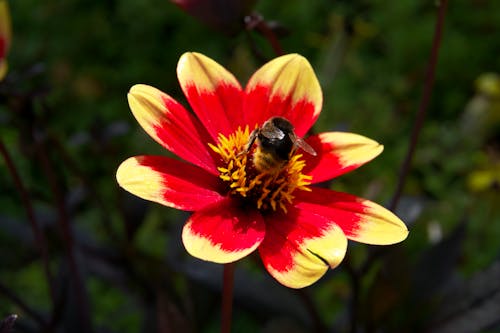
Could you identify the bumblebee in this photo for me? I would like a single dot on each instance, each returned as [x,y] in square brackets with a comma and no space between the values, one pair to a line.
[276,143]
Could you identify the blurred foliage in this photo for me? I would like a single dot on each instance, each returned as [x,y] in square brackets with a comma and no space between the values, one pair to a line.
[65,121]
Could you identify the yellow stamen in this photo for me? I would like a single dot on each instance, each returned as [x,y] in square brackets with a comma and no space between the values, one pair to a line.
[267,191]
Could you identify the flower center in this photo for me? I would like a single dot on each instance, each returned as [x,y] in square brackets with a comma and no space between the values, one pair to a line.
[269,189]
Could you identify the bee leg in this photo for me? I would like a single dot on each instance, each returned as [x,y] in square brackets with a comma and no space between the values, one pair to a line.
[251,140]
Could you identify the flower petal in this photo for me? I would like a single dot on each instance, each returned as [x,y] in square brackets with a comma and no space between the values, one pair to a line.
[300,246]
[361,220]
[169,182]
[3,68]
[214,94]
[5,36]
[5,27]
[338,153]
[168,122]
[287,87]
[223,232]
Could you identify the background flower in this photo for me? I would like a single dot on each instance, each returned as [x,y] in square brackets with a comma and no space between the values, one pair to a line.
[5,36]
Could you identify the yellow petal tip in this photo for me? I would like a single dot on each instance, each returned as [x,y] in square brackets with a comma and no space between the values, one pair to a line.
[353,148]
[138,179]
[381,226]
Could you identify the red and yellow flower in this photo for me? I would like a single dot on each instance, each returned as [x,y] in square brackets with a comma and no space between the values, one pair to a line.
[5,36]
[299,230]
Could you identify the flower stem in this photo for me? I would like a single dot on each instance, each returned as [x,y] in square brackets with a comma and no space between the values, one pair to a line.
[405,166]
[307,301]
[227,297]
[82,301]
[255,21]
[37,232]
[424,103]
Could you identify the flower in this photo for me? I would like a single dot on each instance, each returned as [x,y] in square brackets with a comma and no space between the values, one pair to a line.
[299,230]
[5,36]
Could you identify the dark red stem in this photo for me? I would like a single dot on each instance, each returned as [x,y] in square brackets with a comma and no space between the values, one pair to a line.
[424,103]
[82,302]
[308,302]
[405,166]
[227,297]
[25,198]
[256,22]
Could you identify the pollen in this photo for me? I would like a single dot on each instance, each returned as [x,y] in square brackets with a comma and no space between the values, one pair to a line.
[267,191]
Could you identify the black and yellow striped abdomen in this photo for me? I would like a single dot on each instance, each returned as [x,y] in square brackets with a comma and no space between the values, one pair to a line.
[267,162]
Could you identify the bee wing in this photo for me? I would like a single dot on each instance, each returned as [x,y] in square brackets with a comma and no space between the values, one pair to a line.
[306,147]
[270,131]
[299,142]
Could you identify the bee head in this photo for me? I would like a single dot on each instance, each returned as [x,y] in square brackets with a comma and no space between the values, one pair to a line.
[274,137]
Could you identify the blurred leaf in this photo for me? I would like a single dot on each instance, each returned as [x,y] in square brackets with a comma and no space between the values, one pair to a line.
[472,305]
